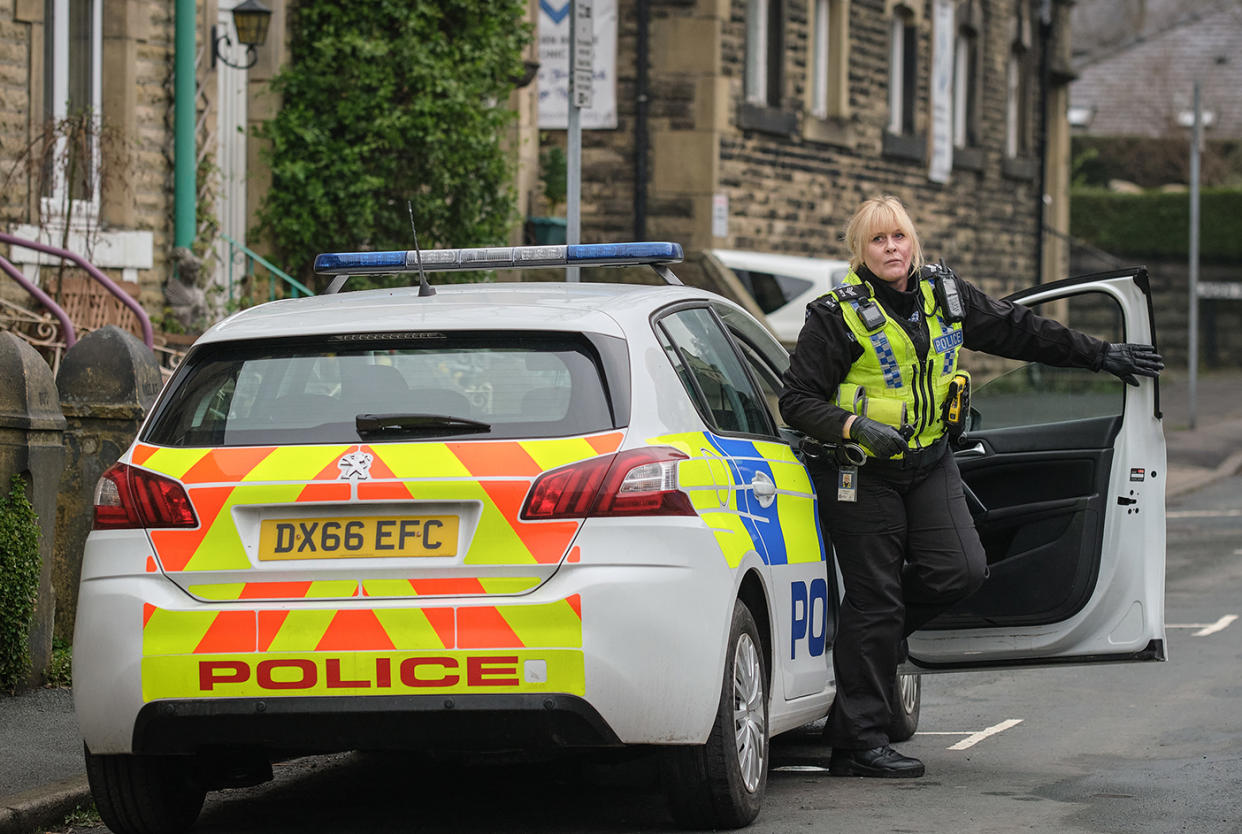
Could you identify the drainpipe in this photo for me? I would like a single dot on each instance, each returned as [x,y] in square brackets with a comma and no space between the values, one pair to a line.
[640,126]
[184,174]
[1045,79]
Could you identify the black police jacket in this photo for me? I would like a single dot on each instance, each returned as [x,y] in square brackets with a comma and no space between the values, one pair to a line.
[826,348]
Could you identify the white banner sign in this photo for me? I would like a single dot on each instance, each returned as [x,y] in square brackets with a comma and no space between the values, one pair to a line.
[1220,289]
[554,65]
[941,151]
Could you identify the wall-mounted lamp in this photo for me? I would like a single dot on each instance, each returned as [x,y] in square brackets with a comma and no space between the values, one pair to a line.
[251,19]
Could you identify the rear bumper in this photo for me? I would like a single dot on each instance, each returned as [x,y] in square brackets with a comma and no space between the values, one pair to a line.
[627,645]
[393,722]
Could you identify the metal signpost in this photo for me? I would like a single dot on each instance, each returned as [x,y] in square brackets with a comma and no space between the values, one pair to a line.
[1192,328]
[581,81]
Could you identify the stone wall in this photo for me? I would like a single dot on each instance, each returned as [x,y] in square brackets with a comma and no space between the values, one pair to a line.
[793,190]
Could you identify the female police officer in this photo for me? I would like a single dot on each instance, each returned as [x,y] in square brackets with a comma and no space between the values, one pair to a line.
[873,364]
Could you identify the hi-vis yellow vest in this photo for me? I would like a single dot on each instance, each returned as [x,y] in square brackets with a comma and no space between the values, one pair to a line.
[888,383]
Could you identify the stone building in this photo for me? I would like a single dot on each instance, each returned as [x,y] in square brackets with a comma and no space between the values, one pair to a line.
[118,60]
[767,121]
[755,124]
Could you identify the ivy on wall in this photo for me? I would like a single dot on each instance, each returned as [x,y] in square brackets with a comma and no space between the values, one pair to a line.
[390,101]
[19,582]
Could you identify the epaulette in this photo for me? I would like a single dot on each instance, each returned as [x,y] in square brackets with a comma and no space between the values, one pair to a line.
[842,294]
[826,300]
[850,292]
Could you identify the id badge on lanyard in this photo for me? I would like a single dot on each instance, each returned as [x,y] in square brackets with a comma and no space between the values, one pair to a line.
[847,484]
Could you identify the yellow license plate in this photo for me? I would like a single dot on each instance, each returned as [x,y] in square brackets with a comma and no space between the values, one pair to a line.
[357,538]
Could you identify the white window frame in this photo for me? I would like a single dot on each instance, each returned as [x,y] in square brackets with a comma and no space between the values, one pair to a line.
[903,18]
[821,44]
[757,51]
[1013,101]
[896,72]
[965,85]
[84,210]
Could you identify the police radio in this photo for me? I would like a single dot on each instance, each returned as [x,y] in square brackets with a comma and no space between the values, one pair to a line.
[948,293]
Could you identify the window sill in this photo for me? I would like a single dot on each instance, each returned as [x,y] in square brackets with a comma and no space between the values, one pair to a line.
[832,130]
[968,159]
[908,146]
[1019,168]
[766,119]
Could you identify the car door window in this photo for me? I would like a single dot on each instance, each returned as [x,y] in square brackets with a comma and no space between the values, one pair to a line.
[1010,393]
[766,358]
[712,372]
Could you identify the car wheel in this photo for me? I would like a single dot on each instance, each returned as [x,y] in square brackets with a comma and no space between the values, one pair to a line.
[145,794]
[908,690]
[721,784]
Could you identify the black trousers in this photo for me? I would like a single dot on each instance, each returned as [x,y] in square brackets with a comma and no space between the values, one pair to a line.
[907,550]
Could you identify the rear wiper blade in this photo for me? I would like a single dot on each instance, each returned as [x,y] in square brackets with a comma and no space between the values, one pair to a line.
[404,423]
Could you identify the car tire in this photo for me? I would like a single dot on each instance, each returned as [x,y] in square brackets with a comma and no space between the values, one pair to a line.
[721,784]
[908,695]
[145,794]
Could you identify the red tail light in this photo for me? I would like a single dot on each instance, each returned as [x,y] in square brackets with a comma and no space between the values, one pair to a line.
[636,482]
[127,498]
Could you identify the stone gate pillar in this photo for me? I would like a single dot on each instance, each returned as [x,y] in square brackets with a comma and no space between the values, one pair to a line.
[107,383]
[31,433]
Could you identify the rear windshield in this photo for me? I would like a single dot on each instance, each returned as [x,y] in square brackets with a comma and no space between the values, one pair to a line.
[508,385]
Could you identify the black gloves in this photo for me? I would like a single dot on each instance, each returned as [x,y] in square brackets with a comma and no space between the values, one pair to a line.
[883,441]
[1125,360]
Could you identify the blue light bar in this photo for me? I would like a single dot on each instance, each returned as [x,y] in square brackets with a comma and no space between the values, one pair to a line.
[504,257]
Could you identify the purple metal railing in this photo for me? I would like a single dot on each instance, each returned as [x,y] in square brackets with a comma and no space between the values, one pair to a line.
[71,336]
[148,336]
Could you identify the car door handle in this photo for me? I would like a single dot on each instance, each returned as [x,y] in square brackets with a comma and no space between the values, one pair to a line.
[974,451]
[764,490]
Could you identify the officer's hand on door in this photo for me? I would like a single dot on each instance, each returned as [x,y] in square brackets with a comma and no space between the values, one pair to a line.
[1124,360]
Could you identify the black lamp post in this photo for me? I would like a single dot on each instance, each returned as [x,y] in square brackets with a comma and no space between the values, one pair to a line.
[251,19]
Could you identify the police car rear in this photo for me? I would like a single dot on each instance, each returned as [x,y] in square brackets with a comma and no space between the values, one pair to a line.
[388,519]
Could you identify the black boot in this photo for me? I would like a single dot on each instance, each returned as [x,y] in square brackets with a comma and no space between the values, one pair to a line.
[883,762]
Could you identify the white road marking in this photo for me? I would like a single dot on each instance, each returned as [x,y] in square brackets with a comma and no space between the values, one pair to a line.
[1203,514]
[800,769]
[1206,628]
[972,740]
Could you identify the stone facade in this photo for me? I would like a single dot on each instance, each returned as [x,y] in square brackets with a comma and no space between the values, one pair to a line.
[135,142]
[792,180]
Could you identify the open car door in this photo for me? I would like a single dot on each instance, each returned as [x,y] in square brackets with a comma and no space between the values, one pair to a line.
[1064,472]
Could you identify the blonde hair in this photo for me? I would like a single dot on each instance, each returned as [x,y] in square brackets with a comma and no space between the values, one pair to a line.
[880,214]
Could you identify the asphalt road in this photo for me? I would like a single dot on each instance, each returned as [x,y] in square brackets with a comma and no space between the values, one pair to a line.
[1131,748]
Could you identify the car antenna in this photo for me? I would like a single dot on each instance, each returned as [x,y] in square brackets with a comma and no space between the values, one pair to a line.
[424,289]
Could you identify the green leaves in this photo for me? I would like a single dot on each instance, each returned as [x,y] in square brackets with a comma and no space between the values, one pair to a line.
[386,102]
[19,582]
[1154,224]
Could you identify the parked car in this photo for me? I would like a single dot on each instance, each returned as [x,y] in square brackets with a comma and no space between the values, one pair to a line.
[549,517]
[782,285]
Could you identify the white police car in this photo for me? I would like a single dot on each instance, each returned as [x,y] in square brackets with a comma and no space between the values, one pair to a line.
[546,516]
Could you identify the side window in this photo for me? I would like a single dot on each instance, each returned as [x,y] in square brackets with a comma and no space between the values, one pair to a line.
[766,358]
[1014,393]
[712,373]
[768,380]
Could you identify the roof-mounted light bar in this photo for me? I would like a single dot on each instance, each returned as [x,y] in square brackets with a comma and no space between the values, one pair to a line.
[504,257]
